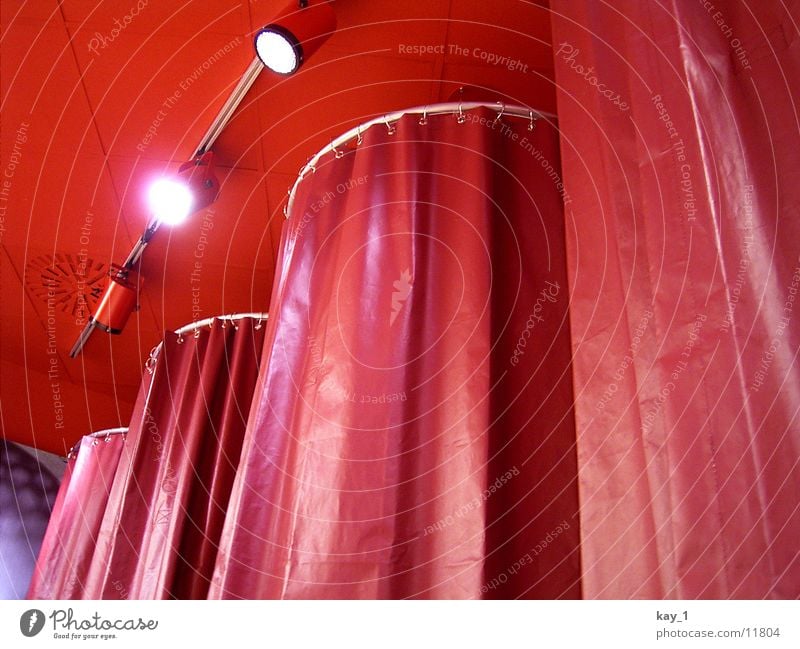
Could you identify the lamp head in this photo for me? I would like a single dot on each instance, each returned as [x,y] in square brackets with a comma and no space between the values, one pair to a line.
[294,35]
[279,50]
[170,201]
[194,187]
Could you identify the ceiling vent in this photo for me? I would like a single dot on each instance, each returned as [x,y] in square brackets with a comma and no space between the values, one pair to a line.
[67,283]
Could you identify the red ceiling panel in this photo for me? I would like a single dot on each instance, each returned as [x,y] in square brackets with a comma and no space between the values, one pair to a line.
[31,412]
[20,322]
[58,207]
[182,17]
[207,290]
[159,110]
[238,145]
[41,11]
[382,27]
[47,123]
[517,30]
[534,89]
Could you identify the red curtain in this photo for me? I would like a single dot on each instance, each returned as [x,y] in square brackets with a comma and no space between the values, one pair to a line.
[679,137]
[72,533]
[156,528]
[413,433]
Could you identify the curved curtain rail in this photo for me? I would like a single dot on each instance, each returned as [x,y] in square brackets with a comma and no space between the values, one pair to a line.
[207,322]
[196,326]
[451,108]
[109,431]
[104,433]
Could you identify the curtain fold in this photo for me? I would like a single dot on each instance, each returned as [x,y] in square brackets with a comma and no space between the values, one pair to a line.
[679,132]
[157,535]
[412,433]
[73,530]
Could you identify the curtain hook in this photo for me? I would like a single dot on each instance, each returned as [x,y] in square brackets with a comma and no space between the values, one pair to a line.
[197,332]
[390,129]
[532,124]
[258,324]
[338,154]
[461,116]
[304,168]
[424,119]
[107,438]
[180,338]
[150,363]
[500,114]
[235,322]
[359,139]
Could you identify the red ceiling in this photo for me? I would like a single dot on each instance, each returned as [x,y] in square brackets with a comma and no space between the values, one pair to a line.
[78,97]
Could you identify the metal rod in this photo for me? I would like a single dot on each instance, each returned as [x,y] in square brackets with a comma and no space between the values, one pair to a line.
[109,431]
[105,433]
[230,106]
[138,248]
[80,343]
[218,124]
[432,109]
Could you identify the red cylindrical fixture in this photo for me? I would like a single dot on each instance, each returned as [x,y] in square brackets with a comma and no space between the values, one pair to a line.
[310,26]
[116,305]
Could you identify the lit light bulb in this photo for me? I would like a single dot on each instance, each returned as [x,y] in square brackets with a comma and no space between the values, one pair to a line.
[170,200]
[277,51]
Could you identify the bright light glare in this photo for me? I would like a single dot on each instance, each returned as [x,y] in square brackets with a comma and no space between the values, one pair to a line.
[171,201]
[276,52]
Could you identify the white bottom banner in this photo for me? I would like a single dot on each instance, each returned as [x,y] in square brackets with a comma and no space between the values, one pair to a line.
[393,624]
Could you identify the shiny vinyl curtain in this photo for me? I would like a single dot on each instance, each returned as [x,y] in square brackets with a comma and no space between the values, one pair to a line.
[156,524]
[73,530]
[679,136]
[412,433]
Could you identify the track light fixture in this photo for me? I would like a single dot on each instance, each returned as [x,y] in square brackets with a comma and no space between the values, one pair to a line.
[294,35]
[172,200]
[194,187]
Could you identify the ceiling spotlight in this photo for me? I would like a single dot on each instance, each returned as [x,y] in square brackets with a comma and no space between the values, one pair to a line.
[297,32]
[279,50]
[194,187]
[170,201]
